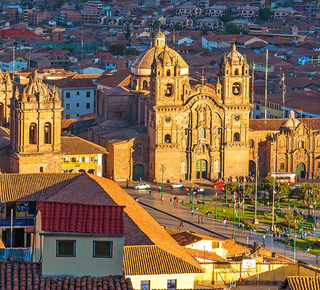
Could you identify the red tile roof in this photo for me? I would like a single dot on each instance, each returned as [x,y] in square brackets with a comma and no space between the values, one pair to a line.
[27,275]
[81,218]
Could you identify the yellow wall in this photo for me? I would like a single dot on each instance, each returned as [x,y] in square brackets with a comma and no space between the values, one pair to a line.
[83,264]
[184,281]
[220,273]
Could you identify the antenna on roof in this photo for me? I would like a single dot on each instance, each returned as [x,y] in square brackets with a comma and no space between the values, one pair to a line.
[14,60]
[174,38]
[283,93]
[266,86]
[82,45]
[252,92]
[202,77]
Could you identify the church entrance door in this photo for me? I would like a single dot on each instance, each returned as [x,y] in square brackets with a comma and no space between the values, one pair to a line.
[201,169]
[301,170]
[138,172]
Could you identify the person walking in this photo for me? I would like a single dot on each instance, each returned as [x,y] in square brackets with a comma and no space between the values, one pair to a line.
[199,219]
[317,259]
[159,188]
[150,193]
[181,223]
[127,183]
[264,239]
[247,240]
[202,220]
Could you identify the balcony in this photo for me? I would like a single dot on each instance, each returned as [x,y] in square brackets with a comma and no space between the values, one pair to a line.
[17,222]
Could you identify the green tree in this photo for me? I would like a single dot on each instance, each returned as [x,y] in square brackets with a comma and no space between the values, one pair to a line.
[227,16]
[156,24]
[118,49]
[128,33]
[132,51]
[250,190]
[231,28]
[264,13]
[204,31]
[176,26]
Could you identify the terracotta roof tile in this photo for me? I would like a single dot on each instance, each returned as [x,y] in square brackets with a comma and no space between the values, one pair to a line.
[151,260]
[303,283]
[75,145]
[27,275]
[81,218]
[206,255]
[33,187]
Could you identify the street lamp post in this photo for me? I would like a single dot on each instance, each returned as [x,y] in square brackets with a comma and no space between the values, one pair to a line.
[289,222]
[162,169]
[216,205]
[294,242]
[239,207]
[234,209]
[226,185]
[191,197]
[256,189]
[273,190]
[315,217]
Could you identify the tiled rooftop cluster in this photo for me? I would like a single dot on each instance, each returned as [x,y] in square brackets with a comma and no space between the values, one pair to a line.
[21,275]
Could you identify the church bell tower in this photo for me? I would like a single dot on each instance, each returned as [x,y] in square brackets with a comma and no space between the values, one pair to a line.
[35,129]
[235,96]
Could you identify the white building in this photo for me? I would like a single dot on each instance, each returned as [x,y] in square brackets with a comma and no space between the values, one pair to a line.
[77,96]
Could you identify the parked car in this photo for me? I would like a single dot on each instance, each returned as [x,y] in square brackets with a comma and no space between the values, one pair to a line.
[219,184]
[177,185]
[142,186]
[200,189]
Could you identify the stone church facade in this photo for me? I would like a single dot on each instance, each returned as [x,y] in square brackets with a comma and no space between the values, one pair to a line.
[199,131]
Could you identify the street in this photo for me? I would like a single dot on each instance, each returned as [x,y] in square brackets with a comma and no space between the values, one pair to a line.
[170,214]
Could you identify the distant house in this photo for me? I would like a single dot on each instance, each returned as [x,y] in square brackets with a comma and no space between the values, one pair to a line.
[77,96]
[248,11]
[209,23]
[188,9]
[282,12]
[79,239]
[8,64]
[215,10]
[183,21]
[211,41]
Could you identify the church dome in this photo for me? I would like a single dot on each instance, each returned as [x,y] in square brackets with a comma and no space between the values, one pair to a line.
[36,86]
[291,123]
[235,57]
[158,52]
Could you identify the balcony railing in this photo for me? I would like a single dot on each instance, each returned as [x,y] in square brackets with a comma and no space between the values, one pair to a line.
[17,222]
[16,253]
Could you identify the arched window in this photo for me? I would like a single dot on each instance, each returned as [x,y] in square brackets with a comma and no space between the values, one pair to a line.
[282,165]
[167,138]
[168,73]
[300,144]
[145,85]
[318,164]
[33,134]
[236,137]
[251,143]
[41,169]
[47,133]
[236,72]
[202,133]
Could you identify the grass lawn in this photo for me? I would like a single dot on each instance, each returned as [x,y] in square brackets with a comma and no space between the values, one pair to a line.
[248,216]
[302,244]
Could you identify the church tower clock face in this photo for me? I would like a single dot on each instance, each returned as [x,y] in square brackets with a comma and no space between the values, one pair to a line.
[236,89]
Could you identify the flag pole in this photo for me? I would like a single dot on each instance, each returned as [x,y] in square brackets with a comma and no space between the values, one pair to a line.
[266,86]
[252,92]
[283,94]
